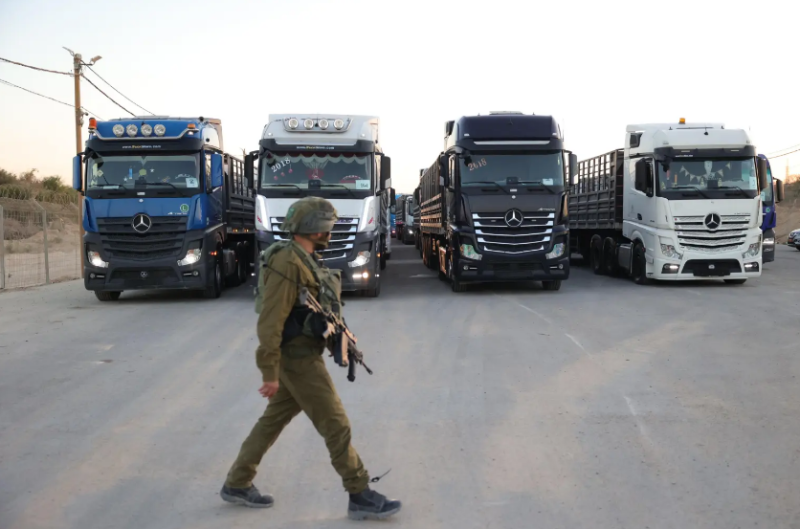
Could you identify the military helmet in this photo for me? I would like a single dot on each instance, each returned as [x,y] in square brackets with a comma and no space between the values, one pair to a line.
[310,215]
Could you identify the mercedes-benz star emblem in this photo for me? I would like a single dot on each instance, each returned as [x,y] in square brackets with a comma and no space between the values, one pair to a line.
[712,221]
[514,218]
[143,274]
[141,223]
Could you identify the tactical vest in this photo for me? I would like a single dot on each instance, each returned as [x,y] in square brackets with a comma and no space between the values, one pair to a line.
[329,283]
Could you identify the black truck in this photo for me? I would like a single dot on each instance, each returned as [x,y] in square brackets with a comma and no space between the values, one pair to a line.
[493,206]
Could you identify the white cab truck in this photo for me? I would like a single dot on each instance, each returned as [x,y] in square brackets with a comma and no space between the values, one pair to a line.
[339,158]
[681,202]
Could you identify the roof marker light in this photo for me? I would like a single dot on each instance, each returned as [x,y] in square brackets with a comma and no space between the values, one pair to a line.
[190,126]
[683,121]
[293,123]
[338,124]
[146,130]
[92,123]
[308,124]
[119,130]
[132,130]
[323,124]
[160,130]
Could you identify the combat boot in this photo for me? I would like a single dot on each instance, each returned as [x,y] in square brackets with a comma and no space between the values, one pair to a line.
[249,497]
[369,504]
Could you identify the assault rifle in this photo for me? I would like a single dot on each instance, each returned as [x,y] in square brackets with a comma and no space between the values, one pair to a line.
[343,341]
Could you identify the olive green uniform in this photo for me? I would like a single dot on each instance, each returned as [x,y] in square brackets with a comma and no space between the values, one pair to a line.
[298,364]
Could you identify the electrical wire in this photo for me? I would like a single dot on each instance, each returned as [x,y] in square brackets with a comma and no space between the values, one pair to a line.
[117,91]
[36,68]
[50,98]
[109,97]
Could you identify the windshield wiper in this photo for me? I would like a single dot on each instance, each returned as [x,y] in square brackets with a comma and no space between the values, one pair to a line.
[161,184]
[342,186]
[689,187]
[492,183]
[284,185]
[734,188]
[536,182]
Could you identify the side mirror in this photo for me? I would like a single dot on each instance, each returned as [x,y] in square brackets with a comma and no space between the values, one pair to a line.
[444,177]
[761,168]
[386,172]
[644,175]
[216,171]
[249,170]
[77,177]
[778,190]
[573,168]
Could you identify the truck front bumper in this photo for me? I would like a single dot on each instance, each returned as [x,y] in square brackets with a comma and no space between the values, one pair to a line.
[354,278]
[119,274]
[697,266]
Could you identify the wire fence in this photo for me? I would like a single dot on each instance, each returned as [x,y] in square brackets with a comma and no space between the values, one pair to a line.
[41,243]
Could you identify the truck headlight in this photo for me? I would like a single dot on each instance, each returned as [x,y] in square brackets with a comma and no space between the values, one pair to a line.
[557,251]
[95,259]
[752,251]
[668,248]
[361,259]
[769,241]
[192,256]
[468,252]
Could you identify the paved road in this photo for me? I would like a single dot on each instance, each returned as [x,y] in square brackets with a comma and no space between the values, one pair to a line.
[604,405]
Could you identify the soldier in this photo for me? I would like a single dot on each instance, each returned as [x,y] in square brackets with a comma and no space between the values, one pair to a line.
[293,369]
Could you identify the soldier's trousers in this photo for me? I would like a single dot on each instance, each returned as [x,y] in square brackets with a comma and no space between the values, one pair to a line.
[305,385]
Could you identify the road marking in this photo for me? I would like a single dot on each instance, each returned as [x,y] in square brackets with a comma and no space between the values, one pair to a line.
[576,342]
[535,313]
[637,419]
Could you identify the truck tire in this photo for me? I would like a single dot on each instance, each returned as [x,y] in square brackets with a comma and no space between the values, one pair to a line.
[214,286]
[735,281]
[107,296]
[373,292]
[639,269]
[553,285]
[457,286]
[610,256]
[596,255]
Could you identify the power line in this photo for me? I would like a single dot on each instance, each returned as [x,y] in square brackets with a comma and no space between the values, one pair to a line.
[48,97]
[34,67]
[117,91]
[784,154]
[109,97]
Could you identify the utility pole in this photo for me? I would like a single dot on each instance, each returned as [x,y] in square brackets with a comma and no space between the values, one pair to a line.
[77,64]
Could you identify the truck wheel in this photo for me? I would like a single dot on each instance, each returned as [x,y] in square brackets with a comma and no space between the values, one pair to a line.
[610,256]
[552,285]
[639,272]
[596,255]
[383,260]
[373,292]
[735,281]
[214,288]
[107,296]
[457,286]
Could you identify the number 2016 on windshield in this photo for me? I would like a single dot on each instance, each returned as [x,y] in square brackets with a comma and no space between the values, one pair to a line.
[477,165]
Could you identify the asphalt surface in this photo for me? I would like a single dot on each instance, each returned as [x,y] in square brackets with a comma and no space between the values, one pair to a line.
[603,405]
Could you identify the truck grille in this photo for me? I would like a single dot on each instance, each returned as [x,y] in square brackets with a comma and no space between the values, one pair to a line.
[343,237]
[496,235]
[695,233]
[163,239]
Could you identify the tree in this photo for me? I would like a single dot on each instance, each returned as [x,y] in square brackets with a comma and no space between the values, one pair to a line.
[53,183]
[7,177]
[29,177]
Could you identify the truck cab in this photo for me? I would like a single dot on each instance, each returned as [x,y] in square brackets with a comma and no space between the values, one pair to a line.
[692,202]
[339,158]
[771,195]
[165,207]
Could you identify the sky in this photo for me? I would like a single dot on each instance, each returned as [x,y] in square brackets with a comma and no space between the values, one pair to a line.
[595,66]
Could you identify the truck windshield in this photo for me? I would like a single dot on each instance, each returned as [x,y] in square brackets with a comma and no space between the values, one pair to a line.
[350,170]
[546,169]
[766,193]
[708,178]
[180,171]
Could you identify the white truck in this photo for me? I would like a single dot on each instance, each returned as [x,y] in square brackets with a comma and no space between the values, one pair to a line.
[680,202]
[337,157]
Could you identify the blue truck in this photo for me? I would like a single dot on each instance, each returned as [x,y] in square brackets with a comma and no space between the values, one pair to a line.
[164,207]
[771,195]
